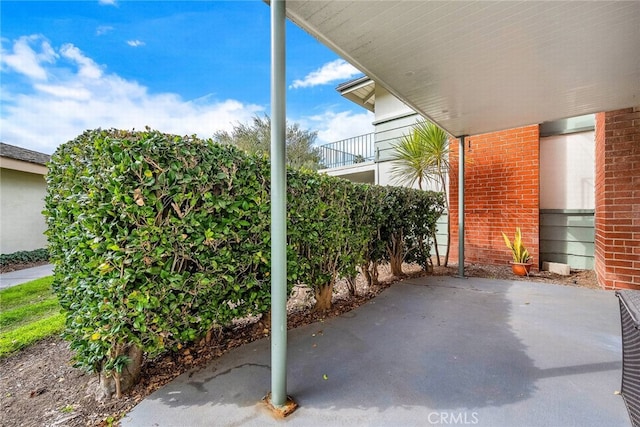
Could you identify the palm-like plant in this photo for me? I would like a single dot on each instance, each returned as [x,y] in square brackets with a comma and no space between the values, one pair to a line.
[421,156]
[519,253]
[410,160]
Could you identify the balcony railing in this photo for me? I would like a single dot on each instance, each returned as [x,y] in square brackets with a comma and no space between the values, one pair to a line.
[358,149]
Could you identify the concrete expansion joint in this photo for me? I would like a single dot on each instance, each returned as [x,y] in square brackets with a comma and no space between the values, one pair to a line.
[227,371]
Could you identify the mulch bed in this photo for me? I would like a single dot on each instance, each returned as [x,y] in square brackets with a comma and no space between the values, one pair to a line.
[7,268]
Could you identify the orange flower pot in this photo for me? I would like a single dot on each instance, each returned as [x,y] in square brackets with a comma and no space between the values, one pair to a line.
[521,269]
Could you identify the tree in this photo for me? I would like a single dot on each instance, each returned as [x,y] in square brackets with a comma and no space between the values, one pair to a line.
[255,138]
[421,156]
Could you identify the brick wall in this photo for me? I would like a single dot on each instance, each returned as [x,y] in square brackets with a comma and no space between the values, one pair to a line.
[600,250]
[617,187]
[501,193]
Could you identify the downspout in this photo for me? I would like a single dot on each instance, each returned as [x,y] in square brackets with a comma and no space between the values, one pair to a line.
[376,178]
[461,208]
[278,208]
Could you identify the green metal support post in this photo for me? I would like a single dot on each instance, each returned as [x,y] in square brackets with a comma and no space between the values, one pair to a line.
[278,208]
[461,208]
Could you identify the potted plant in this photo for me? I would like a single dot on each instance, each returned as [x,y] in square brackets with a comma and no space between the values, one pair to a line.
[521,258]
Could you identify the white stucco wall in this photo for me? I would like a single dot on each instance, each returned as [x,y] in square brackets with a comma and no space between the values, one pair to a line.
[388,106]
[21,203]
[567,164]
[359,172]
[393,119]
[385,176]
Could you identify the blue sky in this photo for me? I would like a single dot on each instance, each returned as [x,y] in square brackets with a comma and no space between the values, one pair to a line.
[181,67]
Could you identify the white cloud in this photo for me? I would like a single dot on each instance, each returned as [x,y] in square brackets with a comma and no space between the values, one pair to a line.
[25,60]
[79,93]
[87,68]
[108,2]
[83,95]
[332,126]
[103,29]
[135,43]
[330,72]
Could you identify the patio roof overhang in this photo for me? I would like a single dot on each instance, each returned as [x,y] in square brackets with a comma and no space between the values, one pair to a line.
[470,67]
[475,67]
[361,91]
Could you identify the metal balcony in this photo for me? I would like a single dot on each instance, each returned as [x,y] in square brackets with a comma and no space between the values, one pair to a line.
[358,149]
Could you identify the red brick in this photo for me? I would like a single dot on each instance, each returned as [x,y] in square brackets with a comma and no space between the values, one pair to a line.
[495,201]
[617,178]
[624,285]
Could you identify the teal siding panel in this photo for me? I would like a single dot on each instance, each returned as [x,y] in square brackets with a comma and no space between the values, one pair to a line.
[571,234]
[565,247]
[390,133]
[567,220]
[441,236]
[568,237]
[576,262]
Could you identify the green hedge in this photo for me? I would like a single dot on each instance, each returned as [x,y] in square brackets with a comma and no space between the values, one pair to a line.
[22,257]
[157,238]
[326,230]
[409,226]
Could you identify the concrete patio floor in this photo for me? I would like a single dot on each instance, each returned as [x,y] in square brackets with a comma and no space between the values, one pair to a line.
[428,351]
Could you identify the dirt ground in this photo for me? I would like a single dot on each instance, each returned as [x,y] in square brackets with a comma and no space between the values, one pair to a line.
[583,278]
[6,268]
[39,387]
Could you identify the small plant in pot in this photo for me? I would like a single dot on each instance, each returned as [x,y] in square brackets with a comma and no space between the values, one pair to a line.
[521,258]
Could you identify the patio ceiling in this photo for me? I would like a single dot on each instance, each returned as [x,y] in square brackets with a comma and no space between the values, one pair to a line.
[476,67]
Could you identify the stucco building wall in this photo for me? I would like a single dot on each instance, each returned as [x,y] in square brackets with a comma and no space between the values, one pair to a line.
[21,204]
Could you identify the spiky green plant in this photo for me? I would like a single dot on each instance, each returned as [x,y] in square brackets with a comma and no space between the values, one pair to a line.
[519,253]
[423,155]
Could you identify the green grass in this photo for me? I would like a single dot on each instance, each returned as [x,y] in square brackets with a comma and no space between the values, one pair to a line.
[36,290]
[28,313]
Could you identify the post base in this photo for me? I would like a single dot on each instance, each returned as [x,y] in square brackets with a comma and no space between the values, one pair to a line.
[280,411]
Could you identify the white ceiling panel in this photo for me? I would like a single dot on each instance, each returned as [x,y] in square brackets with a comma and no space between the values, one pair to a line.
[476,67]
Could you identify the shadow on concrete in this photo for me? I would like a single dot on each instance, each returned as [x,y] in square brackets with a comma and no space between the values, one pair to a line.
[424,347]
[429,347]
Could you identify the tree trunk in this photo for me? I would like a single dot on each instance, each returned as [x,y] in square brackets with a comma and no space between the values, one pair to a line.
[370,273]
[323,298]
[446,255]
[373,272]
[443,181]
[435,246]
[366,273]
[209,337]
[396,255]
[351,286]
[117,383]
[427,262]
[396,266]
